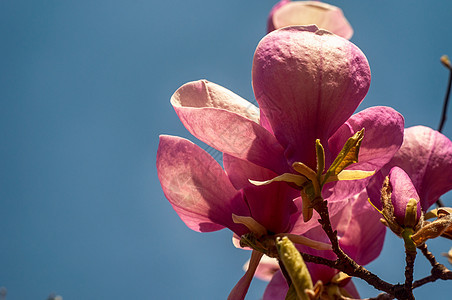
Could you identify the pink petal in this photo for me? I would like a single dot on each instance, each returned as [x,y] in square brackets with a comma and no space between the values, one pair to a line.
[241,288]
[272,205]
[323,15]
[363,243]
[240,171]
[426,156]
[226,122]
[197,187]
[268,266]
[350,287]
[277,288]
[382,138]
[270,25]
[300,227]
[203,94]
[308,82]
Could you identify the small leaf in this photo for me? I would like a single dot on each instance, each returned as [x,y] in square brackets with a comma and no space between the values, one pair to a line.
[347,156]
[298,239]
[432,230]
[434,212]
[306,207]
[350,175]
[286,177]
[295,266]
[310,174]
[256,228]
[320,152]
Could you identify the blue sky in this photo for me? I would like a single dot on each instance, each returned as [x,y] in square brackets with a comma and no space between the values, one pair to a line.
[84,94]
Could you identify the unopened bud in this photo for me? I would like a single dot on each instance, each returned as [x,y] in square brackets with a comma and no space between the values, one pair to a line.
[446,61]
[295,266]
[401,205]
[448,255]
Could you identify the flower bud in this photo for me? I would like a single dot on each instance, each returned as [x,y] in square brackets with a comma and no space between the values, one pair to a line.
[295,266]
[404,199]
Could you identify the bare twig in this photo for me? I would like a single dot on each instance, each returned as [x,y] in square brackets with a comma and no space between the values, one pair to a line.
[347,265]
[438,271]
[446,63]
[409,270]
[430,257]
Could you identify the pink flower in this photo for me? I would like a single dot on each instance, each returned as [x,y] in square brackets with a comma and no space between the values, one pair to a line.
[308,82]
[325,16]
[426,156]
[361,243]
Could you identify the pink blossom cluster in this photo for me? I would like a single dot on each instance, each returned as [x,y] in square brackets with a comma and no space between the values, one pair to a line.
[308,81]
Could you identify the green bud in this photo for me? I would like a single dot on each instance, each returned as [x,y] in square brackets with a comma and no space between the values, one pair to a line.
[320,153]
[295,266]
[411,213]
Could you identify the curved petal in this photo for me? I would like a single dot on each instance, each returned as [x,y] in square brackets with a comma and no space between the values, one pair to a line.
[241,288]
[270,25]
[363,243]
[351,289]
[226,122]
[277,288]
[203,94]
[383,137]
[324,15]
[426,156]
[197,187]
[268,266]
[272,205]
[307,82]
[299,226]
[241,171]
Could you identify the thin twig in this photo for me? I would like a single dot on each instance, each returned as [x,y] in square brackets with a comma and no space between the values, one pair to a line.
[438,271]
[446,62]
[409,270]
[446,99]
[430,257]
[347,265]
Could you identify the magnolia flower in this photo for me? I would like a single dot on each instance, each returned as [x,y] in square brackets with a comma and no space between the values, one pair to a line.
[426,156]
[308,82]
[361,243]
[325,16]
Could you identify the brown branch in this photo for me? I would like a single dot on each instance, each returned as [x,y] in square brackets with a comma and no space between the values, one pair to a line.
[409,270]
[446,102]
[438,271]
[430,257]
[347,265]
[382,296]
[446,62]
